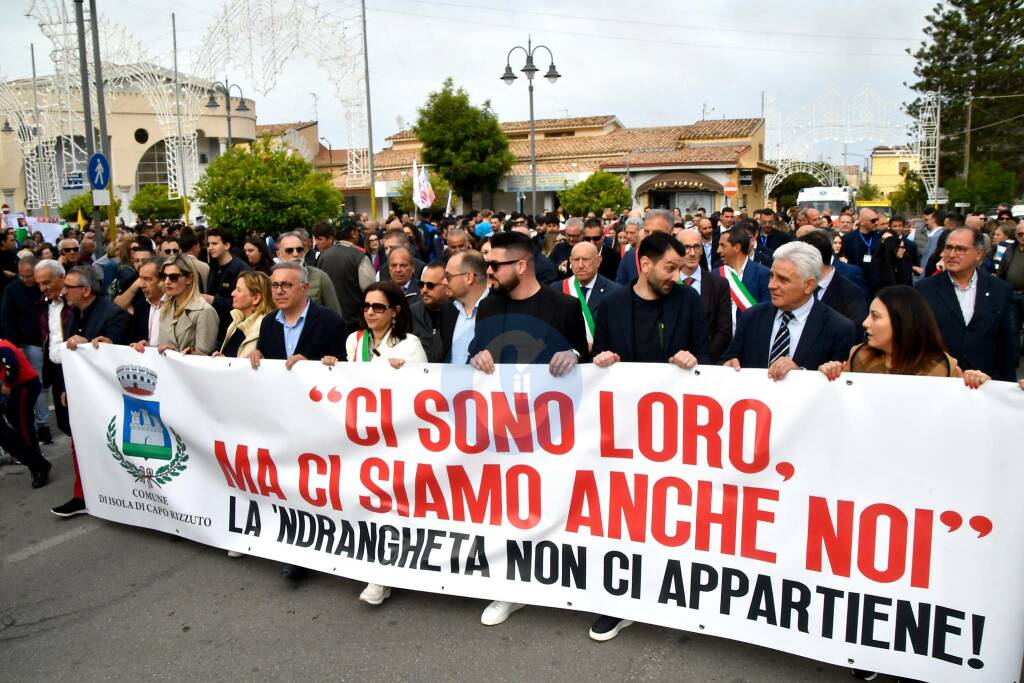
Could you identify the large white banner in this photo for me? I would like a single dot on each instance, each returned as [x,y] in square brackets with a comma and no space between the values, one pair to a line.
[873,522]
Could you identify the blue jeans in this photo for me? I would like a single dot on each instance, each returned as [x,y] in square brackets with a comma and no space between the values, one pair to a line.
[41,410]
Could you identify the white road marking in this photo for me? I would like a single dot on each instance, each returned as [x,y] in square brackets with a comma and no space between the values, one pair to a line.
[52,542]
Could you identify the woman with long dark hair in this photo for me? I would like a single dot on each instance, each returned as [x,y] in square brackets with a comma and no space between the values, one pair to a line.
[893,267]
[902,339]
[257,255]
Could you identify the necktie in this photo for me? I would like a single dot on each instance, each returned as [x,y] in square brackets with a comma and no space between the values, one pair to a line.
[689,281]
[818,292]
[586,291]
[780,346]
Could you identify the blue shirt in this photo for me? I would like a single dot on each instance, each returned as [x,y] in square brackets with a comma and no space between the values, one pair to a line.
[292,332]
[465,329]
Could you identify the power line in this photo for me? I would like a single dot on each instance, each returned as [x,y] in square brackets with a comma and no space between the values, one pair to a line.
[987,125]
[699,27]
[647,41]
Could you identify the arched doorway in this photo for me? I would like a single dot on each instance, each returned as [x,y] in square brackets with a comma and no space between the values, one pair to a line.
[152,166]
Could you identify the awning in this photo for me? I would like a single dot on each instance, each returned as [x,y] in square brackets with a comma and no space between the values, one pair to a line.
[683,181]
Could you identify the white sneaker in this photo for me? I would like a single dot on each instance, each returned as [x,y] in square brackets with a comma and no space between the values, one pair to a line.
[498,611]
[374,594]
[234,553]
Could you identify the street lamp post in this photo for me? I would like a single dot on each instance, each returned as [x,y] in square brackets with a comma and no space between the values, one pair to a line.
[530,69]
[225,90]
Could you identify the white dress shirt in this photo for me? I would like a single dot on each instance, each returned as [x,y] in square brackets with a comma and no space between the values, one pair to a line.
[796,326]
[824,282]
[966,296]
[465,329]
[696,279]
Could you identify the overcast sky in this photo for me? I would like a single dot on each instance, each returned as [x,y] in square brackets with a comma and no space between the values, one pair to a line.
[649,62]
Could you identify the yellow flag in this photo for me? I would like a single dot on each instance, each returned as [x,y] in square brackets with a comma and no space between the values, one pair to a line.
[81,220]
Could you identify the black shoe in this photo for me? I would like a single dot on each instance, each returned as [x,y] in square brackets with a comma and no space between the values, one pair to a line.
[41,477]
[864,674]
[606,628]
[43,432]
[293,573]
[75,506]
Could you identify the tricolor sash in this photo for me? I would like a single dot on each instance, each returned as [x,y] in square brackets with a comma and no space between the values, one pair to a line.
[571,286]
[363,345]
[741,296]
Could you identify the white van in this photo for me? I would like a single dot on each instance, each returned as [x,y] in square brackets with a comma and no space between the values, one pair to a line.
[822,198]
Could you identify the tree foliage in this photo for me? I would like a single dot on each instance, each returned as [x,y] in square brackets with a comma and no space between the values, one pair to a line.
[403,202]
[787,191]
[910,196]
[69,211]
[464,143]
[868,192]
[265,190]
[987,184]
[975,47]
[151,202]
[599,190]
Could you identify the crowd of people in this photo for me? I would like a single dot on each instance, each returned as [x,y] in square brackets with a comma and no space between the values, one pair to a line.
[938,295]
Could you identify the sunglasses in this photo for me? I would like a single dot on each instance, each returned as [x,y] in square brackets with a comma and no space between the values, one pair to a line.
[173,277]
[594,238]
[69,250]
[429,286]
[494,265]
[376,308]
[294,250]
[170,252]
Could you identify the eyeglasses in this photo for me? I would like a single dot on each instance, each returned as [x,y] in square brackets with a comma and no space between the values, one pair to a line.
[376,308]
[520,221]
[873,220]
[594,238]
[449,276]
[294,250]
[429,286]
[692,247]
[494,265]
[282,286]
[956,249]
[173,277]
[69,250]
[170,252]
[67,286]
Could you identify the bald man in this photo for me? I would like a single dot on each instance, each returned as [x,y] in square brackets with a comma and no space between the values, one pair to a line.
[586,284]
[861,247]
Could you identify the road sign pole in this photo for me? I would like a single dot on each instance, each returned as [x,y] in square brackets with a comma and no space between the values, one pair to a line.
[83,66]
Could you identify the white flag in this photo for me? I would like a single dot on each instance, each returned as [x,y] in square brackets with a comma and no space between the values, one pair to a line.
[415,185]
[448,208]
[426,192]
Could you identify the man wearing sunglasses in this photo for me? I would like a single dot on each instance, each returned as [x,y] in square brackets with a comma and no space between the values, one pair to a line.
[593,232]
[426,313]
[321,289]
[523,322]
[862,246]
[68,253]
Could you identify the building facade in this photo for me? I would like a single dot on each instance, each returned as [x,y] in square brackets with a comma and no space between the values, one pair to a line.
[137,144]
[889,165]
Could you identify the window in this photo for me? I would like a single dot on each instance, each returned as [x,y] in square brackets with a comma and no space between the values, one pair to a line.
[152,168]
[141,136]
[904,167]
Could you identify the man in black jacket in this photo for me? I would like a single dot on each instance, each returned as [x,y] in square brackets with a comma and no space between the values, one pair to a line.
[973,309]
[20,316]
[426,313]
[98,320]
[300,330]
[713,290]
[795,330]
[833,289]
[224,272]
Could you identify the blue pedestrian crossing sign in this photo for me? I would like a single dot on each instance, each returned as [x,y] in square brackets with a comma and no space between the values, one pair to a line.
[99,171]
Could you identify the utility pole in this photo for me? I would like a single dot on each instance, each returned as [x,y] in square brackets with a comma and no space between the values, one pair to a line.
[38,133]
[967,137]
[182,165]
[369,116]
[90,141]
[101,107]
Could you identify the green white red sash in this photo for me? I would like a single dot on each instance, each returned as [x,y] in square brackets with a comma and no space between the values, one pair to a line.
[741,296]
[363,342]
[571,286]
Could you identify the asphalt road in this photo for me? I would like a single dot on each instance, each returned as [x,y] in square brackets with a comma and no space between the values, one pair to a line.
[86,600]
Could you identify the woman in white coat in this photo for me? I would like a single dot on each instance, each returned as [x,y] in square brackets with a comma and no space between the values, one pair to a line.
[384,336]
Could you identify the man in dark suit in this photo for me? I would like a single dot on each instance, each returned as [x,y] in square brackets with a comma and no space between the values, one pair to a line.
[713,290]
[768,238]
[656,220]
[794,330]
[585,279]
[654,320]
[426,313]
[833,289]
[752,288]
[593,232]
[973,309]
[863,245]
[300,330]
[400,266]
[95,319]
[465,275]
[709,238]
